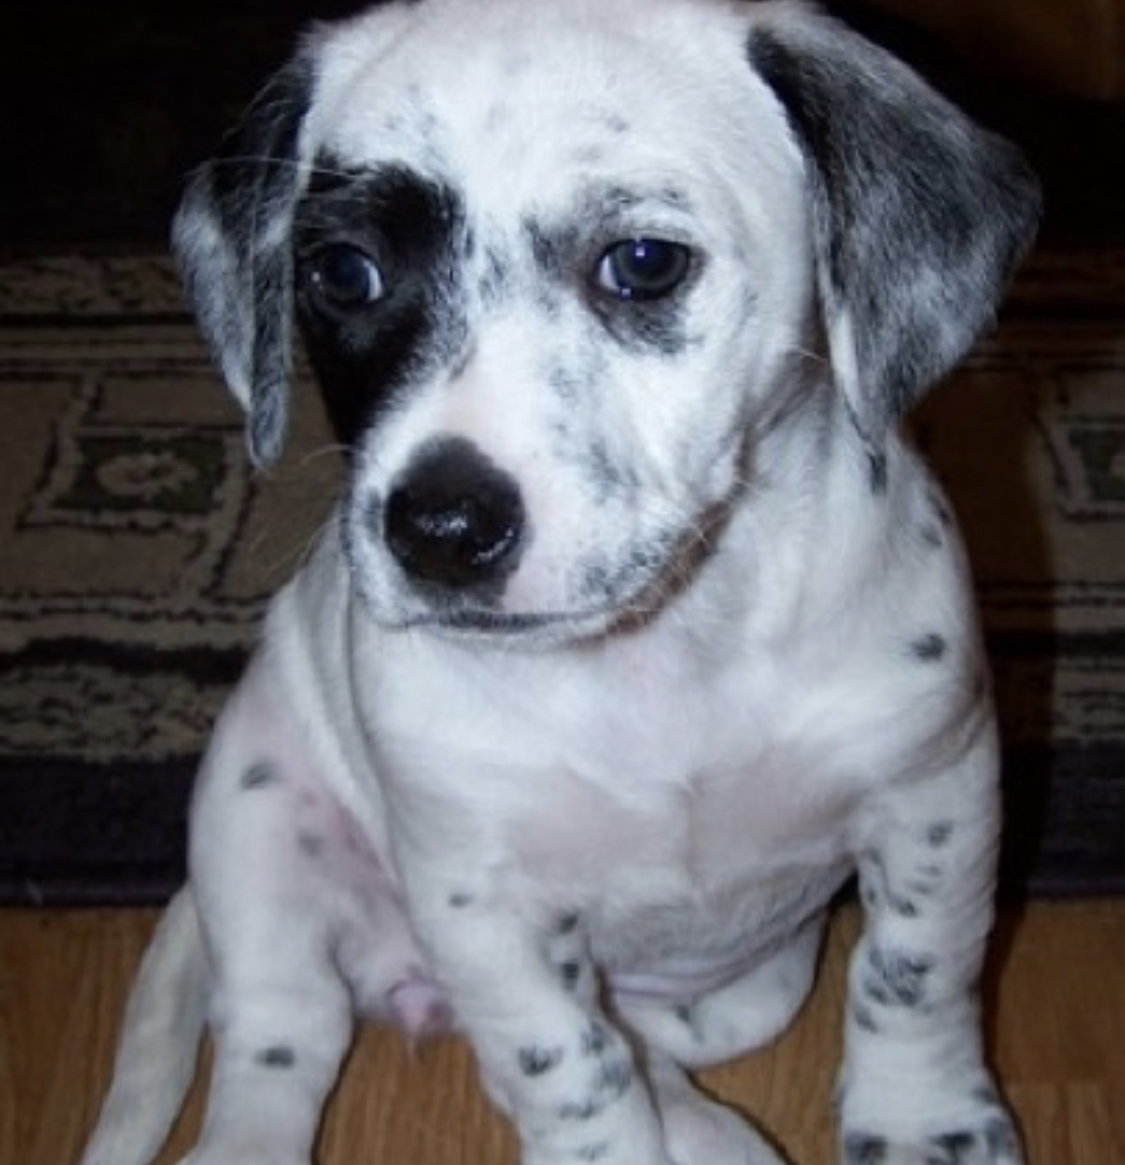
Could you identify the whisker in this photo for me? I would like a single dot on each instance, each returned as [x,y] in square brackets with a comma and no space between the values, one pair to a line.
[329,449]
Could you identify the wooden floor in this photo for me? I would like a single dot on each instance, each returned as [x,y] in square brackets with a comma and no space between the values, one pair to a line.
[1055,993]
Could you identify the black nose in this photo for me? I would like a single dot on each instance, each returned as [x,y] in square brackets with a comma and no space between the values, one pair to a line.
[454,518]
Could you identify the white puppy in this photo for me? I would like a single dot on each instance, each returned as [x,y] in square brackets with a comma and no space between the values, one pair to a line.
[638,629]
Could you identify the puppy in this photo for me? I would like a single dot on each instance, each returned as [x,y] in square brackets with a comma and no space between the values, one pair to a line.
[638,628]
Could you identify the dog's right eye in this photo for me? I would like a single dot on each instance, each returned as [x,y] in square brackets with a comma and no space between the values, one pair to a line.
[345,279]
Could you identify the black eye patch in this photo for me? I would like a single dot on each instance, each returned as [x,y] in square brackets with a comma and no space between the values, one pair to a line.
[377,260]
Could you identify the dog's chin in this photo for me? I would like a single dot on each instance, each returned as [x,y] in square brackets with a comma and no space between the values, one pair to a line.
[517,630]
[459,618]
[531,631]
[523,632]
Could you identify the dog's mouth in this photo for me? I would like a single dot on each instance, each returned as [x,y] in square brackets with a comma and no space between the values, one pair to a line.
[469,622]
[610,600]
[544,629]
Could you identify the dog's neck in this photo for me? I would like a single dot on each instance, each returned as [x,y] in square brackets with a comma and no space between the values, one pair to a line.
[836,499]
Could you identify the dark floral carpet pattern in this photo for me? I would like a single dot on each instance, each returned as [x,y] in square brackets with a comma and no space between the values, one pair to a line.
[137,551]
[136,554]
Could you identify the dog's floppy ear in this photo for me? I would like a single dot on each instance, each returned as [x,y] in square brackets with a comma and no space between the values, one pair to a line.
[232,240]
[918,215]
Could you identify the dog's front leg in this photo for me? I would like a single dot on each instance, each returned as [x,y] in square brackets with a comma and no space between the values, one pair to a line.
[525,994]
[915,1087]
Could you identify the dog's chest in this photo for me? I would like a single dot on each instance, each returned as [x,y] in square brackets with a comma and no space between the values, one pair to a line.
[690,838]
[689,778]
[658,788]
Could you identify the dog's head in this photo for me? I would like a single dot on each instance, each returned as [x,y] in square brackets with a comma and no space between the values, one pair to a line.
[556,264]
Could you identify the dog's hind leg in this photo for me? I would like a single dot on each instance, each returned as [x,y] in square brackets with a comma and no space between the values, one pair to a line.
[159,1045]
[278,1052]
[270,867]
[735,1018]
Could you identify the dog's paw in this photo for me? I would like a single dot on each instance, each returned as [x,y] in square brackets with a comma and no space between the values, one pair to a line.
[701,1132]
[240,1155]
[989,1140]
[603,1152]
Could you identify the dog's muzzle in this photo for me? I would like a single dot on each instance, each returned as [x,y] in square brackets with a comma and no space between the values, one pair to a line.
[454,520]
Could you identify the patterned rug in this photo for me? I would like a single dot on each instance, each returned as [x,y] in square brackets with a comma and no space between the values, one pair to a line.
[137,551]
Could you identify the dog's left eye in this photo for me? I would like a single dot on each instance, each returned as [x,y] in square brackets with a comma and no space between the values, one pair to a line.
[643,269]
[344,278]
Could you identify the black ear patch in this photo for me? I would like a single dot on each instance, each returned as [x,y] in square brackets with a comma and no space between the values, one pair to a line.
[232,238]
[918,215]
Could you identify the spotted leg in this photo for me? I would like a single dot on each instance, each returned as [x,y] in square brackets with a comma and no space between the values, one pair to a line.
[525,994]
[914,1087]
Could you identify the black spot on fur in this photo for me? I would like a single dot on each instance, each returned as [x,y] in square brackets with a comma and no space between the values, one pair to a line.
[860,1149]
[875,990]
[555,251]
[566,385]
[927,879]
[877,472]
[536,1061]
[259,775]
[612,1081]
[279,1056]
[615,1078]
[952,1148]
[929,648]
[864,1019]
[607,478]
[570,972]
[496,278]
[904,907]
[459,899]
[897,979]
[595,1039]
[939,834]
